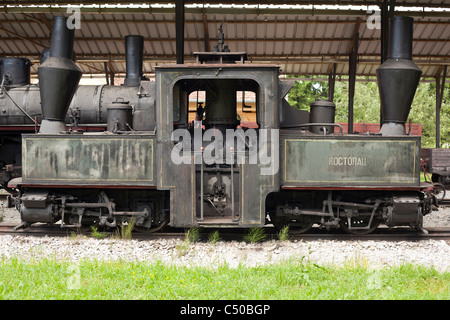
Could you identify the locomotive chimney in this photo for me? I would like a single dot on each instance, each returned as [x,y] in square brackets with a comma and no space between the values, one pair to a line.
[398,77]
[58,78]
[134,48]
[44,55]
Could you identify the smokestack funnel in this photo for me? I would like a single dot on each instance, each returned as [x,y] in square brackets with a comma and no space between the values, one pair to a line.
[398,78]
[45,54]
[58,78]
[134,47]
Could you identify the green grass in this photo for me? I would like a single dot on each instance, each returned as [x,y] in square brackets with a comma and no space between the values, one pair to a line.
[255,235]
[192,235]
[283,234]
[97,234]
[214,237]
[48,279]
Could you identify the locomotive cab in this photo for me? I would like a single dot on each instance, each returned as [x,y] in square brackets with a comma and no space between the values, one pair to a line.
[210,159]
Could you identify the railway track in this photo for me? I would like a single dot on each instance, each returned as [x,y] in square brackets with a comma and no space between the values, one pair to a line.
[3,196]
[445,202]
[397,234]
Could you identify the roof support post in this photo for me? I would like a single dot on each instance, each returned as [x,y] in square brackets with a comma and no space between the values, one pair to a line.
[105,65]
[384,31]
[353,60]
[331,81]
[439,96]
[206,34]
[179,27]
[111,73]
[387,12]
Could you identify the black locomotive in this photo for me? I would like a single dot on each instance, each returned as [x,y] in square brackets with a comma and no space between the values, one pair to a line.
[156,166]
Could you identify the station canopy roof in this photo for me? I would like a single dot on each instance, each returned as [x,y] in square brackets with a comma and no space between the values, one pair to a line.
[303,37]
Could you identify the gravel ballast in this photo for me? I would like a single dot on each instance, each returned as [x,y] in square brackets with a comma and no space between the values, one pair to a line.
[371,253]
[323,252]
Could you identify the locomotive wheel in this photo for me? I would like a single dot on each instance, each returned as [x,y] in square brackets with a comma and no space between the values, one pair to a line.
[359,222]
[295,227]
[439,191]
[14,192]
[151,230]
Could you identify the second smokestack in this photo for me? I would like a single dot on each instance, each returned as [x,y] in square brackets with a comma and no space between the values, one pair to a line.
[398,78]
[58,78]
[134,48]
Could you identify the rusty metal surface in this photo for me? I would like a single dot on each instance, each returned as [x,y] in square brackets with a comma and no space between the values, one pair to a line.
[88,159]
[440,161]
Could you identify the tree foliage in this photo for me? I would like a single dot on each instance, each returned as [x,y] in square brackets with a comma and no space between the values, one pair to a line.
[303,93]
[367,105]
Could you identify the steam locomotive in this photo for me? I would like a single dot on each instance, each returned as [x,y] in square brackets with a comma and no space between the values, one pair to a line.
[159,164]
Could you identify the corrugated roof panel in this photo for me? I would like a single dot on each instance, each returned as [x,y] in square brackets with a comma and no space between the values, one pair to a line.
[421,48]
[115,29]
[362,69]
[436,49]
[292,68]
[166,30]
[252,47]
[444,49]
[288,48]
[290,29]
[167,48]
[319,68]
[17,46]
[366,47]
[109,47]
[264,36]
[426,69]
[433,70]
[308,30]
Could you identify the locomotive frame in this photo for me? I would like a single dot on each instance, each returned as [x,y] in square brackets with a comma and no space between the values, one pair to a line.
[106,178]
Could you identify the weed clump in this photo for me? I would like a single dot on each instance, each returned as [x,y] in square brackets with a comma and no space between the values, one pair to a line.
[255,235]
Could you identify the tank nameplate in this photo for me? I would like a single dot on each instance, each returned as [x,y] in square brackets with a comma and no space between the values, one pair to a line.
[348,161]
[88,159]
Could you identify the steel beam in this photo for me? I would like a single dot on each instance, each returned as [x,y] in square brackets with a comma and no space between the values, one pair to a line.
[353,60]
[405,3]
[212,21]
[219,10]
[331,81]
[439,96]
[206,34]
[179,28]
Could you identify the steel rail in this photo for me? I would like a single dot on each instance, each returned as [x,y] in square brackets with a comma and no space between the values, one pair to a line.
[386,234]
